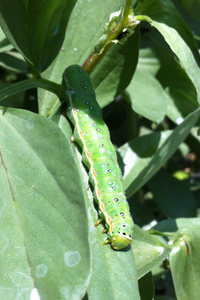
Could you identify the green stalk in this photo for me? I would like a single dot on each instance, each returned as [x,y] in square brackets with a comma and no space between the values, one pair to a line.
[30,84]
[93,59]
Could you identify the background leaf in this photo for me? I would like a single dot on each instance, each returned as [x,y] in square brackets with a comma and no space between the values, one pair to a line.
[22,22]
[49,246]
[111,77]
[172,196]
[184,255]
[4,42]
[146,287]
[162,70]
[189,11]
[154,162]
[147,99]
[145,259]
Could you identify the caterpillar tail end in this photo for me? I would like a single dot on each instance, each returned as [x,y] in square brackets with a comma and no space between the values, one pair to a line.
[118,242]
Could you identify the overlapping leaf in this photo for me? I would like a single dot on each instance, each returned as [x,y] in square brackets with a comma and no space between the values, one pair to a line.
[34,27]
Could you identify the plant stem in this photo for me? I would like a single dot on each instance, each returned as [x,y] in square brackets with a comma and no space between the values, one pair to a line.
[93,59]
[143,18]
[30,84]
[155,232]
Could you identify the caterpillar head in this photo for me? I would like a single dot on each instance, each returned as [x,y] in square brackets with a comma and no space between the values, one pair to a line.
[119,242]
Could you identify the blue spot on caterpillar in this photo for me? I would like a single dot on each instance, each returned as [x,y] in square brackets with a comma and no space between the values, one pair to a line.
[98,154]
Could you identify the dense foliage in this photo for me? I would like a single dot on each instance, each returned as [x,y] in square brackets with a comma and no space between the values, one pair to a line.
[143,60]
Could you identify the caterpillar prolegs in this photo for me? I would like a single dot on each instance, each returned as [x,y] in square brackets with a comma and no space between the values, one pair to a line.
[98,154]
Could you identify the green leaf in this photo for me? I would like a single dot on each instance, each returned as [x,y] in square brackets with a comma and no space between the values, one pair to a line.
[29,84]
[181,93]
[146,96]
[22,22]
[148,153]
[172,196]
[163,15]
[112,76]
[44,234]
[148,251]
[184,259]
[16,101]
[190,12]
[178,90]
[185,255]
[112,269]
[146,287]
[4,42]
[140,212]
[13,61]
[137,155]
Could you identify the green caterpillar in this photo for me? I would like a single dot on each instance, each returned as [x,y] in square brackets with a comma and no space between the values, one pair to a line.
[98,154]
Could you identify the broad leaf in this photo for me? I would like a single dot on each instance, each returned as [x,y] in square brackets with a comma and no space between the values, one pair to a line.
[185,258]
[44,235]
[148,251]
[33,27]
[185,255]
[112,76]
[146,287]
[146,96]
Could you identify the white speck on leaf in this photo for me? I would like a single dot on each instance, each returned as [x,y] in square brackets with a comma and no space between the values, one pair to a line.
[72,258]
[41,270]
